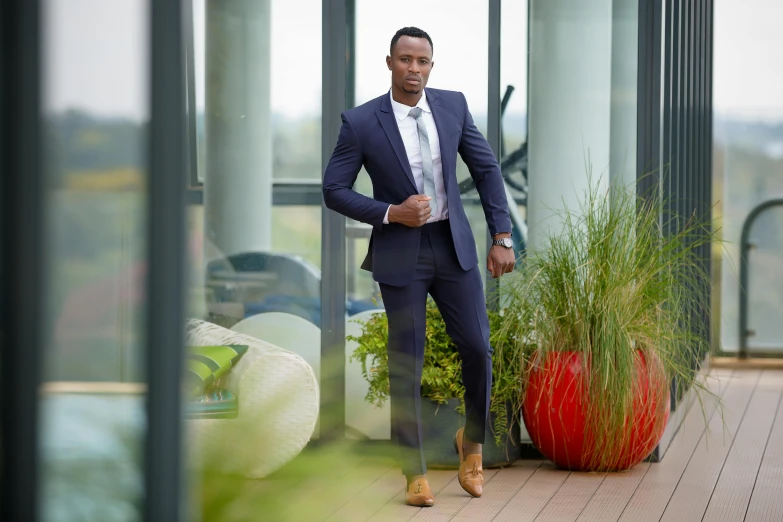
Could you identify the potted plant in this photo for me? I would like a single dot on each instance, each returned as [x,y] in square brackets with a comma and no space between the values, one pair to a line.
[607,307]
[443,409]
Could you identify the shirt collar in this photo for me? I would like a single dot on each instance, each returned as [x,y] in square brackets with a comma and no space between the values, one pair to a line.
[401,110]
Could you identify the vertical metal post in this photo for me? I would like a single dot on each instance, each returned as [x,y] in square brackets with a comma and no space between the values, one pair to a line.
[23,270]
[666,63]
[333,279]
[191,144]
[648,97]
[166,267]
[493,119]
[708,125]
[676,114]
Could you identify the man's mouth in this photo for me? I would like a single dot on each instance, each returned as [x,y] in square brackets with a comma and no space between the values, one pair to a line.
[412,80]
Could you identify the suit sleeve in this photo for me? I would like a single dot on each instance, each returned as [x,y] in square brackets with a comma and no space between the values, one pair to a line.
[485,171]
[340,175]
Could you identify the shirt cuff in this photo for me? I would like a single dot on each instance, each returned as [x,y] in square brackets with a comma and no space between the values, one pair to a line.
[386,217]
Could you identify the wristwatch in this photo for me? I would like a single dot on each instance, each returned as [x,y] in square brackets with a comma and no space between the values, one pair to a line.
[505,242]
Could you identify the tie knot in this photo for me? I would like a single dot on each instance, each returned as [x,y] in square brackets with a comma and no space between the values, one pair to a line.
[415,112]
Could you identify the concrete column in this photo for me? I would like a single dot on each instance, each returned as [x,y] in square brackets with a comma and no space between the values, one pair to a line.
[238,181]
[581,97]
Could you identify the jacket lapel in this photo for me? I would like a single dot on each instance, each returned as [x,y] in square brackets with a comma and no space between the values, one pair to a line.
[386,117]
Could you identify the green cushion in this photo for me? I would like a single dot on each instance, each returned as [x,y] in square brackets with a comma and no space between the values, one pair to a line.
[207,364]
[215,404]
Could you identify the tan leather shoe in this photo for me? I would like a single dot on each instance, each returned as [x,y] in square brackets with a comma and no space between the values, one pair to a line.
[471,473]
[419,494]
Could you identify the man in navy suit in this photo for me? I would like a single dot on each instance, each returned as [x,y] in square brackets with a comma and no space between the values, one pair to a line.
[408,140]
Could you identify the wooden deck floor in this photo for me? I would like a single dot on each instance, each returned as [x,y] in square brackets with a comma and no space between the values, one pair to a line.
[730,470]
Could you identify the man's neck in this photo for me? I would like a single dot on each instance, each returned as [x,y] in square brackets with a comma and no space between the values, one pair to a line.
[406,98]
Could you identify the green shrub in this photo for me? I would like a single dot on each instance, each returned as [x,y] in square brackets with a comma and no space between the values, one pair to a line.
[442,370]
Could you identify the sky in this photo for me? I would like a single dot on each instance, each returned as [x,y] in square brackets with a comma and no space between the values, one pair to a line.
[96,55]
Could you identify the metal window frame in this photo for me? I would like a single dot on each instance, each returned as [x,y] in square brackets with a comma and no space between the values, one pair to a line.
[336,53]
[24,270]
[189,70]
[494,131]
[163,484]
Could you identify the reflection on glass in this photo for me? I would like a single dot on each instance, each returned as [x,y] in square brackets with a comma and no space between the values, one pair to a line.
[256,238]
[96,111]
[258,233]
[459,64]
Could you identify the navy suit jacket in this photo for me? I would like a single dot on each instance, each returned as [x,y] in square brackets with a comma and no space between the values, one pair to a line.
[370,137]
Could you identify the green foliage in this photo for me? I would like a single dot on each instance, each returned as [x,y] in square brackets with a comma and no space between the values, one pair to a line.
[618,280]
[442,370]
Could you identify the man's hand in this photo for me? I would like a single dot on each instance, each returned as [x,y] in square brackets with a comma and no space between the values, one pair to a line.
[501,260]
[413,212]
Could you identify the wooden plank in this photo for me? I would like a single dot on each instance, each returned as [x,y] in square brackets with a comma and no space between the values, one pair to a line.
[766,502]
[690,499]
[656,487]
[613,494]
[534,495]
[572,497]
[732,494]
[396,509]
[504,486]
[364,502]
[350,488]
[452,499]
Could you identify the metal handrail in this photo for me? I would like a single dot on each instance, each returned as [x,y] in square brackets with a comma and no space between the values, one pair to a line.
[745,246]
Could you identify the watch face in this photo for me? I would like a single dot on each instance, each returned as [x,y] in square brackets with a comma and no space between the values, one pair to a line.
[505,242]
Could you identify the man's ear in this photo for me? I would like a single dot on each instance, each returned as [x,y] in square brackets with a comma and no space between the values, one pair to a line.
[388,62]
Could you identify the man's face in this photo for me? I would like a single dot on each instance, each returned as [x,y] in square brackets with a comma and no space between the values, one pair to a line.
[410,64]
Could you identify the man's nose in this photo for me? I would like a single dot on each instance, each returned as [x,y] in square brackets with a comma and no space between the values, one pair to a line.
[414,67]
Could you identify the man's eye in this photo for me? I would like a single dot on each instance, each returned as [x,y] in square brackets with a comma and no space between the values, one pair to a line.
[423,62]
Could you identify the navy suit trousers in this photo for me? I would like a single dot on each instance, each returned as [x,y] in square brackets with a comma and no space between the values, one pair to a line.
[460,298]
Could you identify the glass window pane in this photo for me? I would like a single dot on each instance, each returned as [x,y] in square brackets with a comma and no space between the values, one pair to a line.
[259,114]
[255,239]
[95,116]
[513,91]
[748,164]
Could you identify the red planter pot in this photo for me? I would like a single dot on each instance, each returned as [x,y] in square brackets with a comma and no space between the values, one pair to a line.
[554,414]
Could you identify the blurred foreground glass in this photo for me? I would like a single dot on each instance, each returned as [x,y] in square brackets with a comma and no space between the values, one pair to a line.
[95,56]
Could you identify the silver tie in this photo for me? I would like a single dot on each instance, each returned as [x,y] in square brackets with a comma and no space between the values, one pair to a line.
[426,159]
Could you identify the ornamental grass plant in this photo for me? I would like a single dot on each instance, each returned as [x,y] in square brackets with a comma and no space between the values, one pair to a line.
[616,281]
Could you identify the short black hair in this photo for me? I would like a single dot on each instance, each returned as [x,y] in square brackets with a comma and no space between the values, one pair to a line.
[413,32]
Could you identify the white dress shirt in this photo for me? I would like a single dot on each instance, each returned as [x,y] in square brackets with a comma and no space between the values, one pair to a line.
[410,138]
